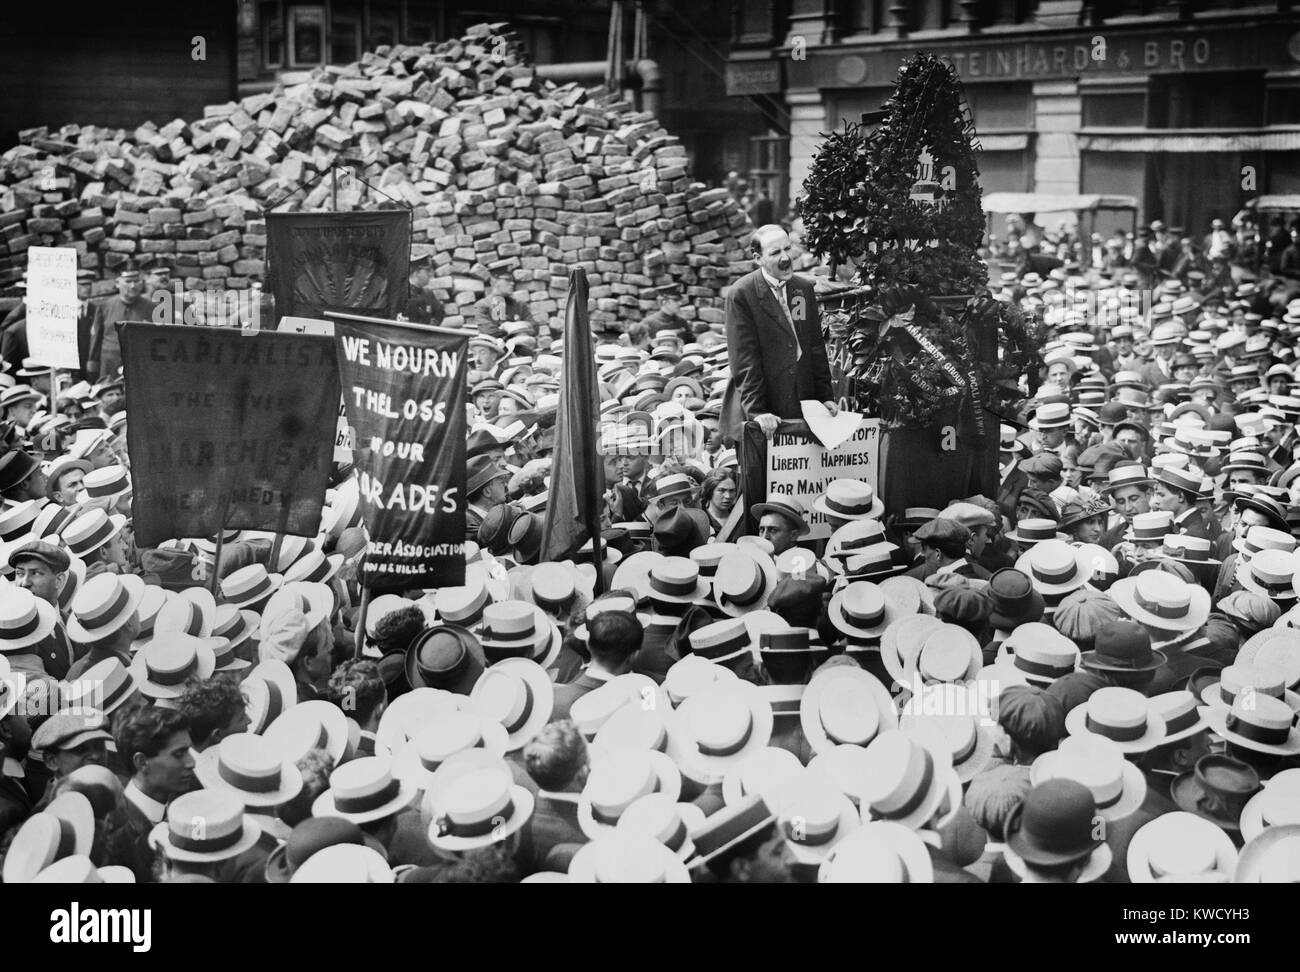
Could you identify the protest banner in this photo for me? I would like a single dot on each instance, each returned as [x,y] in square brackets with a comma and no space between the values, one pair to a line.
[343,434]
[793,464]
[404,387]
[52,306]
[226,429]
[347,262]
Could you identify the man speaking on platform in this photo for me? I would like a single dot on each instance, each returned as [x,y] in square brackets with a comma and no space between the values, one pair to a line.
[774,341]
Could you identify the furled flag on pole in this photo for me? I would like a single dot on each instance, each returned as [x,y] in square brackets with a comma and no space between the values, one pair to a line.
[577,471]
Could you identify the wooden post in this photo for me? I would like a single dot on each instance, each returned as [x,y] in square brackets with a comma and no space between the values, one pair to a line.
[221,541]
[360,642]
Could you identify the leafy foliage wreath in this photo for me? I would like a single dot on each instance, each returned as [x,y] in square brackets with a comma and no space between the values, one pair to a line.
[858,207]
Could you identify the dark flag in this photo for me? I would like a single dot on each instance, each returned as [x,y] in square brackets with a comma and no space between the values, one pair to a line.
[229,429]
[348,262]
[404,388]
[577,471]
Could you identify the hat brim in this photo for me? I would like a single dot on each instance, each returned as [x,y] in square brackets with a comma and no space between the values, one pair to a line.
[1089,660]
[1150,739]
[809,705]
[1139,848]
[243,601]
[135,592]
[465,682]
[1097,864]
[407,765]
[1082,574]
[1124,593]
[1259,848]
[945,786]
[275,672]
[835,614]
[1288,666]
[910,849]
[1187,793]
[813,855]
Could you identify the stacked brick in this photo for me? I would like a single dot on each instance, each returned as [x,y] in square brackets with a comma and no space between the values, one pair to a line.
[500,168]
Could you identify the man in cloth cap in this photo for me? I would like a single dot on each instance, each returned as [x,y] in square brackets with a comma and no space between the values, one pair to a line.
[104,357]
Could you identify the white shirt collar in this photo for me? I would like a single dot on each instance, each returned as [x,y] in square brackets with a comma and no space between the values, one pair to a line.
[952,567]
[153,811]
[13,769]
[772,281]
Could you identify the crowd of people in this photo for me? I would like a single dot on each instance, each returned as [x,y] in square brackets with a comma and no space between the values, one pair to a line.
[1091,675]
[1227,254]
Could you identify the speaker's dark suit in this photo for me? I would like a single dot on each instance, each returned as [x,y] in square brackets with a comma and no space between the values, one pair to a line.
[765,375]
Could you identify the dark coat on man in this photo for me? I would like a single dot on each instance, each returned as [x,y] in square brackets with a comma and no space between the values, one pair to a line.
[762,350]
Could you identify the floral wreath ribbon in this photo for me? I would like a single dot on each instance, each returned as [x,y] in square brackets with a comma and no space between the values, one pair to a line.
[903,321]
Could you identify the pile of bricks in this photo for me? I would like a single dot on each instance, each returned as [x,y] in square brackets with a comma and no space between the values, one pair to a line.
[500,167]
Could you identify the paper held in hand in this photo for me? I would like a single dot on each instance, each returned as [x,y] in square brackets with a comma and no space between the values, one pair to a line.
[829,430]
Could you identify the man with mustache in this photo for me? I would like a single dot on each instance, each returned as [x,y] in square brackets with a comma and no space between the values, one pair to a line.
[774,340]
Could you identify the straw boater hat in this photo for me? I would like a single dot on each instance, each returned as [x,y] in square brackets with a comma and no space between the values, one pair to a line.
[902,642]
[816,817]
[906,781]
[1183,714]
[519,629]
[161,669]
[1180,846]
[1277,648]
[269,690]
[344,864]
[1034,530]
[1259,723]
[948,653]
[1160,600]
[64,828]
[204,827]
[1253,680]
[249,585]
[91,530]
[863,610]
[192,611]
[312,724]
[479,807]
[878,852]
[103,605]
[315,601]
[245,765]
[1117,784]
[410,712]
[1120,715]
[845,705]
[1276,805]
[744,580]
[618,779]
[364,790]
[25,620]
[849,499]
[446,734]
[518,694]
[661,817]
[627,858]
[719,726]
[935,718]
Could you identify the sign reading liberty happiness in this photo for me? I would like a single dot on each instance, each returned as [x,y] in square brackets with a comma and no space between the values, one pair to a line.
[800,467]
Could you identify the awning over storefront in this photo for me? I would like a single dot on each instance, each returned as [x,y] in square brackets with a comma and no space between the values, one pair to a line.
[1182,142]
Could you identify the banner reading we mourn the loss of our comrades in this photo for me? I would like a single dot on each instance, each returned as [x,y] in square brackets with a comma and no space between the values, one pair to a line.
[404,388]
[354,263]
[228,428]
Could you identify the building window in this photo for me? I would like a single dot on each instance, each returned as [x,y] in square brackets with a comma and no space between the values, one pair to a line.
[306,36]
[1220,99]
[272,21]
[345,40]
[1115,109]
[385,20]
